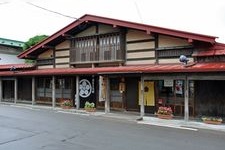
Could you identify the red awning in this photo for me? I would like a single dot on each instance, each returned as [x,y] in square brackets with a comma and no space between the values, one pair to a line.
[174,68]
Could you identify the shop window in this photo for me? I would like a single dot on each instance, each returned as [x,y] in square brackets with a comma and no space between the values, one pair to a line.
[115,95]
[171,91]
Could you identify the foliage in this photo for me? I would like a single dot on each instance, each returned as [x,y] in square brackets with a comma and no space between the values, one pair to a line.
[217,119]
[34,40]
[67,103]
[31,42]
[89,105]
[165,111]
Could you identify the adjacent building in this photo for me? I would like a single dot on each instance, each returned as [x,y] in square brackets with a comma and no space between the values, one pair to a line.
[123,65]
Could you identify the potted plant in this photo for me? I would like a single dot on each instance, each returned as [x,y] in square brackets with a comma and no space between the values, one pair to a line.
[66,104]
[90,107]
[212,120]
[165,112]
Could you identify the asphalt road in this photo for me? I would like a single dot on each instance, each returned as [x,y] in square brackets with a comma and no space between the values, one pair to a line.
[26,129]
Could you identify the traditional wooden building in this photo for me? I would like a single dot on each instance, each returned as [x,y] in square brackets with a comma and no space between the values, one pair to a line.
[124,65]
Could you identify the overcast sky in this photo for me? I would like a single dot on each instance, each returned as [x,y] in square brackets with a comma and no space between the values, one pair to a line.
[20,20]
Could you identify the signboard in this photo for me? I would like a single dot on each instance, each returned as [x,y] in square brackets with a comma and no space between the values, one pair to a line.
[85,88]
[168,83]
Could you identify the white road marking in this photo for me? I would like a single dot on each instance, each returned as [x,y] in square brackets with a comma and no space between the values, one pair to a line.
[169,126]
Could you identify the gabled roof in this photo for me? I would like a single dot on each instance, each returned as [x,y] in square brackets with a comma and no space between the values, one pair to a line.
[114,22]
[165,68]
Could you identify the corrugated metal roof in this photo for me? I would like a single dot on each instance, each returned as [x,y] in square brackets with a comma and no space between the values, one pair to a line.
[9,42]
[173,68]
[17,66]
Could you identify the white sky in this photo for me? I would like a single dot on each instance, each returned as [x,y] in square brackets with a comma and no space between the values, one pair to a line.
[21,21]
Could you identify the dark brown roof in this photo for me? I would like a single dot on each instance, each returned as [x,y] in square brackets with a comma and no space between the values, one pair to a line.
[58,36]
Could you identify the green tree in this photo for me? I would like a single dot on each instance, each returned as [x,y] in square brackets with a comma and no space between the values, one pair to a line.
[31,42]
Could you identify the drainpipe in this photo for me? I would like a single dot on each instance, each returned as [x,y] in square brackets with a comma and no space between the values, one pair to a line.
[186,100]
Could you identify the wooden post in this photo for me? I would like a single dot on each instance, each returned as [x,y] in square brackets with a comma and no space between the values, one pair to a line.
[15,90]
[53,91]
[77,96]
[142,107]
[107,101]
[186,100]
[33,90]
[1,90]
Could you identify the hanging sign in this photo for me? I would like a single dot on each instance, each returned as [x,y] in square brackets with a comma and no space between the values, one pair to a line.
[85,88]
[168,83]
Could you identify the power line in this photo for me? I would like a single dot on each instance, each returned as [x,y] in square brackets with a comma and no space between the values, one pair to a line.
[55,12]
[138,11]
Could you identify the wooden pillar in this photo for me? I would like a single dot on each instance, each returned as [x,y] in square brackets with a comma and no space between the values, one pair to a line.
[53,91]
[1,89]
[142,106]
[77,96]
[15,90]
[33,90]
[107,100]
[186,100]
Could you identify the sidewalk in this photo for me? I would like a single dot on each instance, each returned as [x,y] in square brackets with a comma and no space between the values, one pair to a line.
[133,117]
[154,121]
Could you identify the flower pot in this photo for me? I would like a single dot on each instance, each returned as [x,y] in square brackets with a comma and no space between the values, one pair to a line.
[66,107]
[212,122]
[161,116]
[90,109]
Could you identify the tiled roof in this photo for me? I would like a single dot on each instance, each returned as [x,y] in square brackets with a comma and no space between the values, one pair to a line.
[174,68]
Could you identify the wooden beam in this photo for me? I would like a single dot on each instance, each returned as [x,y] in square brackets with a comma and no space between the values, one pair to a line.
[15,90]
[33,90]
[107,101]
[190,40]
[142,106]
[67,35]
[1,89]
[47,47]
[53,91]
[77,97]
[186,99]
[148,32]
